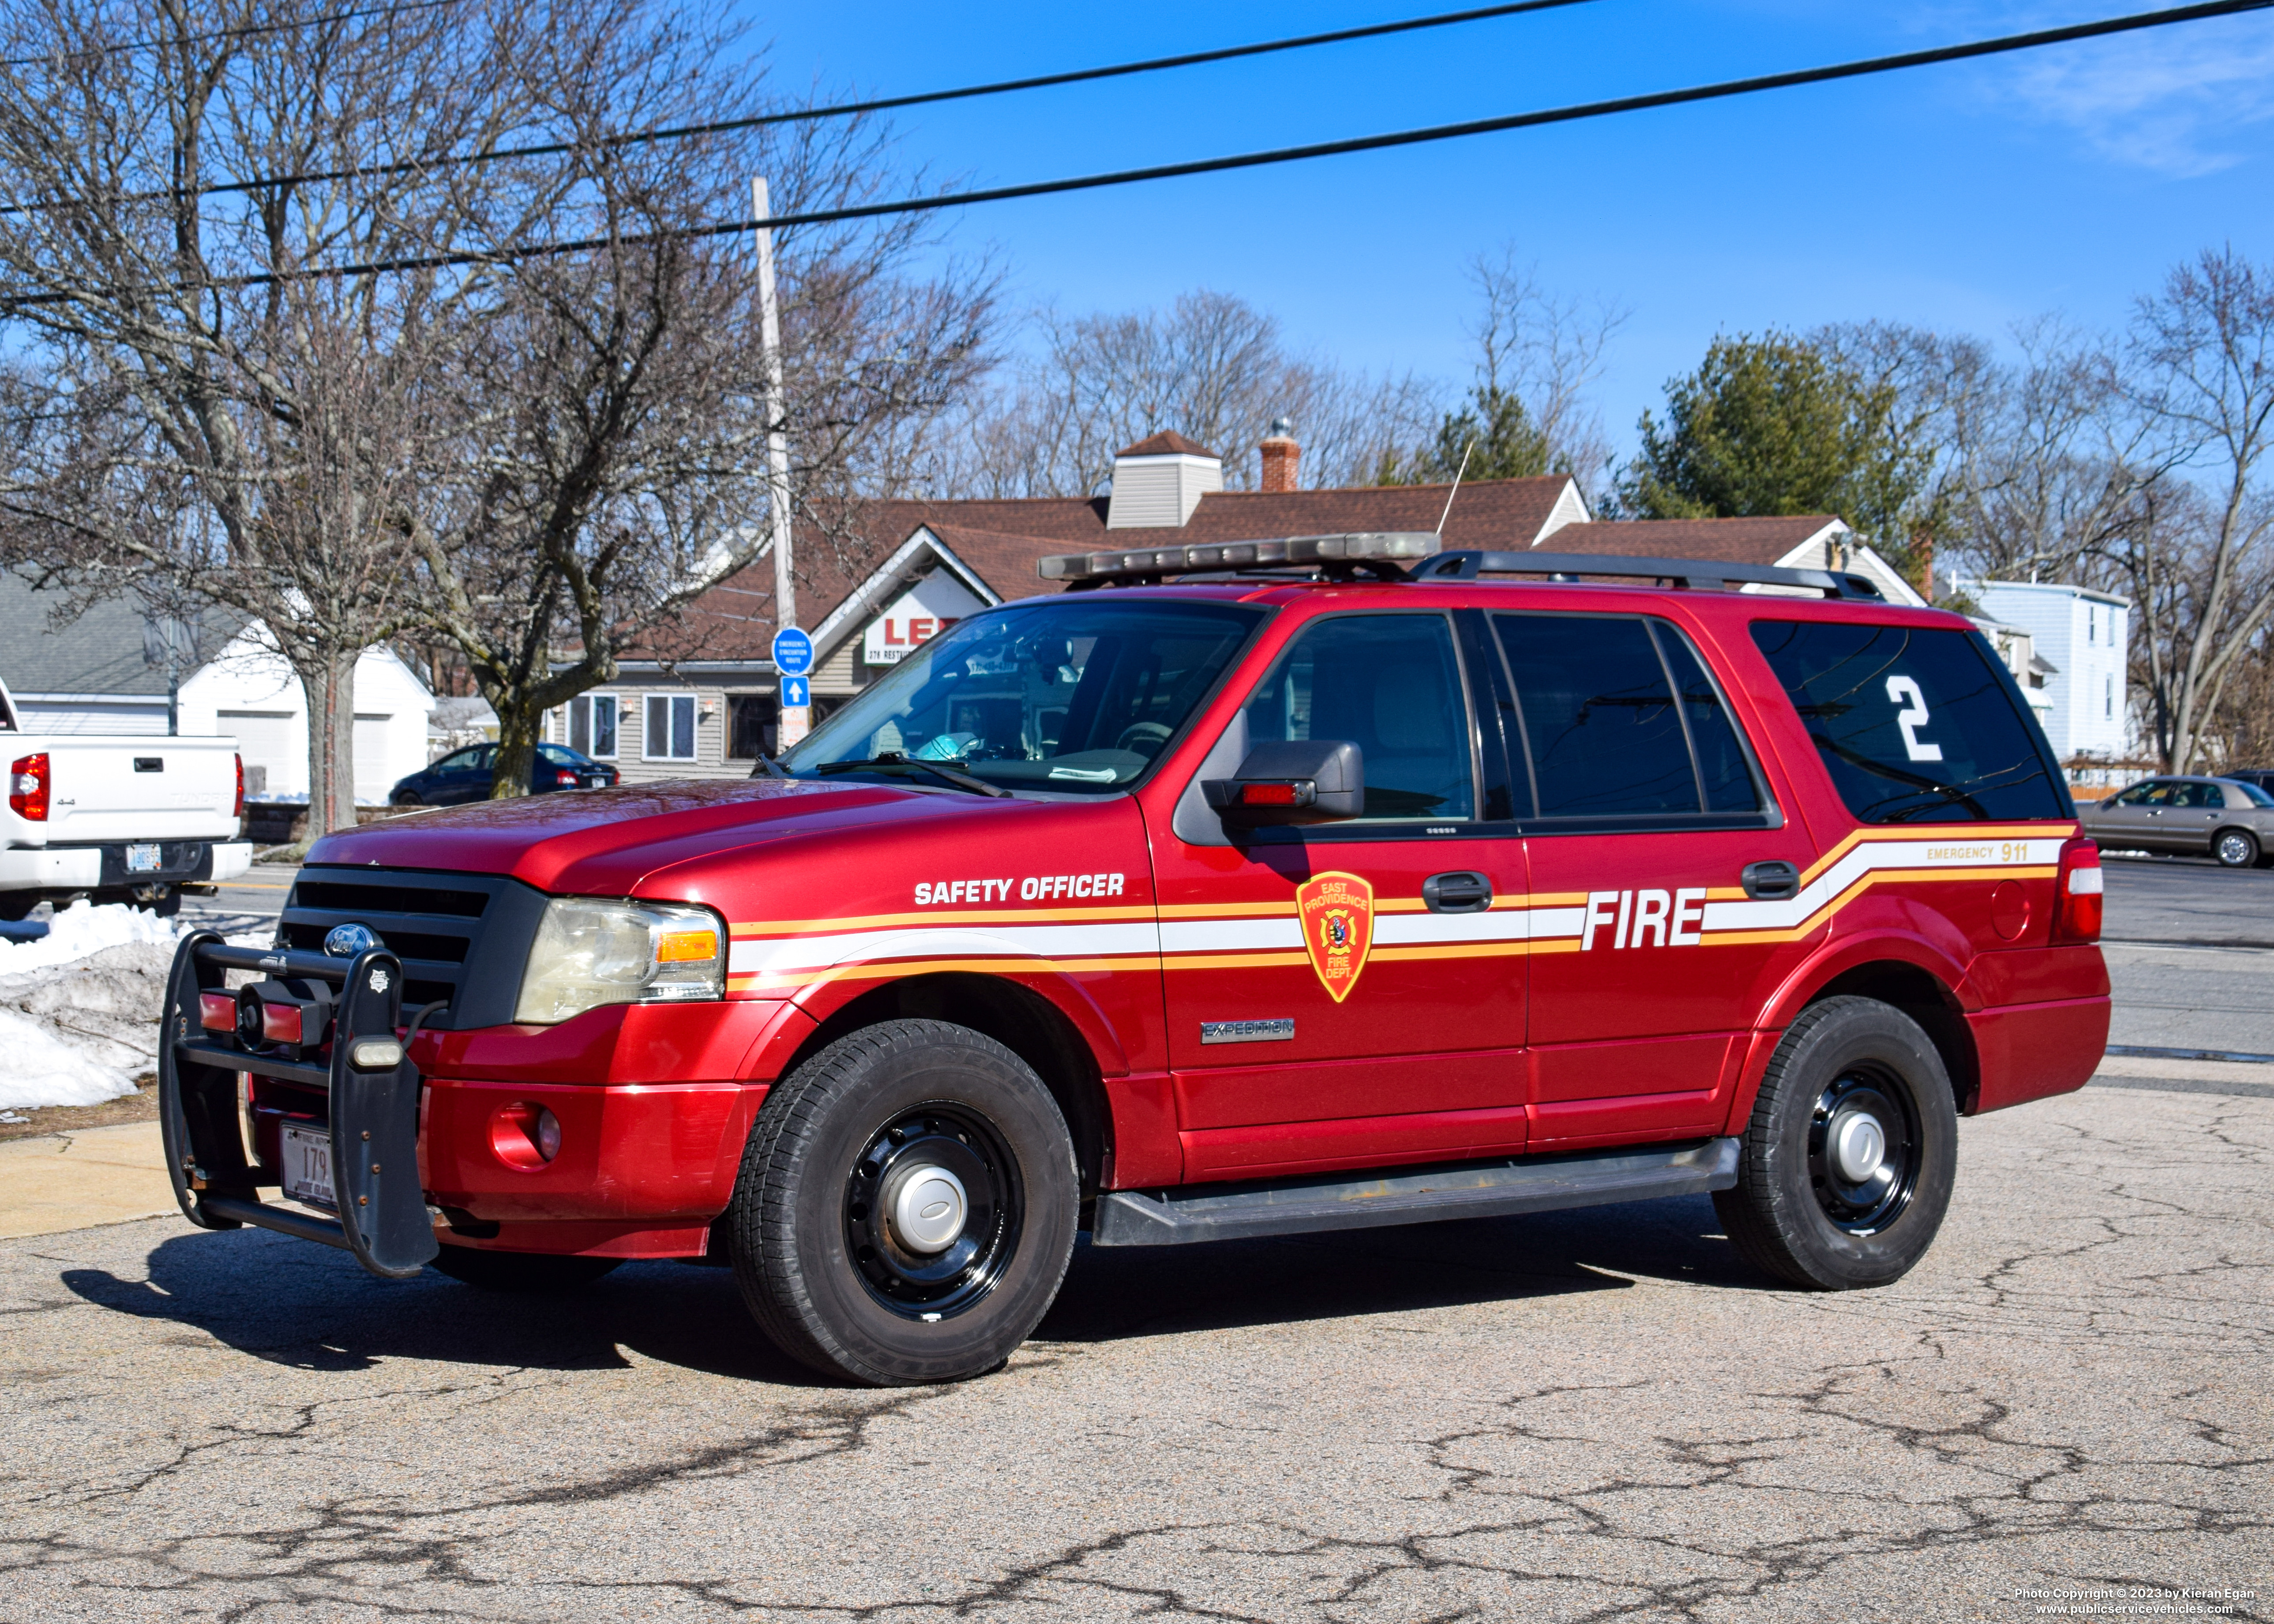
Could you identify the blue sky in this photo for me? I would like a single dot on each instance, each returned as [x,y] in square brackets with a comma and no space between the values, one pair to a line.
[1961,198]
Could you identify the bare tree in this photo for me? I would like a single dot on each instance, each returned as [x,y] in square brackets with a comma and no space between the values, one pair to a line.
[224,417]
[1547,350]
[2204,352]
[1211,367]
[607,421]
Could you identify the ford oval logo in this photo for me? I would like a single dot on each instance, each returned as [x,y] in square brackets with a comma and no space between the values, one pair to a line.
[347,941]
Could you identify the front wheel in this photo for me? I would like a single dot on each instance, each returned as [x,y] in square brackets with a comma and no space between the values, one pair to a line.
[2235,848]
[907,1206]
[1849,1159]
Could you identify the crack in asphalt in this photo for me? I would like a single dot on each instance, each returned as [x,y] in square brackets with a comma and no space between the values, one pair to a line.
[2065,1397]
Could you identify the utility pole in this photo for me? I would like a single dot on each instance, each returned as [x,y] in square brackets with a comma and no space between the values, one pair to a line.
[794,718]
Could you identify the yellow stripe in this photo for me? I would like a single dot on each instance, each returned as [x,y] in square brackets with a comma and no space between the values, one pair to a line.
[1954,833]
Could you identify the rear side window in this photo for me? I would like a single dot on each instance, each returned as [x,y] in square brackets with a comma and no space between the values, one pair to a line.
[1621,719]
[1914,726]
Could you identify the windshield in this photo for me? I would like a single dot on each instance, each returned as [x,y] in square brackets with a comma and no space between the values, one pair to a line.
[1075,694]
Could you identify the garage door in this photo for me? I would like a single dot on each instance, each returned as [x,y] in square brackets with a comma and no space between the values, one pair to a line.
[275,747]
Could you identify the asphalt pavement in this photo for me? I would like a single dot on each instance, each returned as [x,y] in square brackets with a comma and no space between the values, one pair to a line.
[1590,1415]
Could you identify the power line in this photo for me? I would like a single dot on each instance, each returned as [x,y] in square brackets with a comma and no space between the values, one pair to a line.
[2004,44]
[846,110]
[236,34]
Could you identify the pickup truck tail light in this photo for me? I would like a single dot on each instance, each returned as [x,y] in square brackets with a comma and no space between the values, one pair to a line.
[2077,902]
[239,809]
[28,786]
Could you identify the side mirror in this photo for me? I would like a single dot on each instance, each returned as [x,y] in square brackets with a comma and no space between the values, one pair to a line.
[1298,781]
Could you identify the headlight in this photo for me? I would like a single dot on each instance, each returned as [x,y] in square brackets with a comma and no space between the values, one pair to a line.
[590,952]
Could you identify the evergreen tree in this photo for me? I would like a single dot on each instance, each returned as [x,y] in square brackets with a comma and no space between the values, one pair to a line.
[1492,430]
[1772,426]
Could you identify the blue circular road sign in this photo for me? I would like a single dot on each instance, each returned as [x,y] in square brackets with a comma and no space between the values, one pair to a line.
[793,652]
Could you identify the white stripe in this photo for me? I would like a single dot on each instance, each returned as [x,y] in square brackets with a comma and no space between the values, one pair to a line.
[1413,929]
[1870,856]
[1020,941]
[1224,935]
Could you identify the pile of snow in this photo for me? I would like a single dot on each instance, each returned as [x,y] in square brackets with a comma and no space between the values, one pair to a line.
[79,1007]
[83,928]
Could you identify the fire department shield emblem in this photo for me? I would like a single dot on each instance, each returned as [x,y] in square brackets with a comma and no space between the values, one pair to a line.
[1337,916]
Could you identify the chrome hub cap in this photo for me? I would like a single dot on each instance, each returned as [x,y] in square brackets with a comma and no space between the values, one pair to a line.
[933,1210]
[1859,1144]
[1865,1150]
[928,1209]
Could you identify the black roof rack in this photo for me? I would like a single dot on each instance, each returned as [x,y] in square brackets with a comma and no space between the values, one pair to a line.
[1691,573]
[1417,556]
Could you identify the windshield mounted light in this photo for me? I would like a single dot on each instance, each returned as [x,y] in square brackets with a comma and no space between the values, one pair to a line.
[592,950]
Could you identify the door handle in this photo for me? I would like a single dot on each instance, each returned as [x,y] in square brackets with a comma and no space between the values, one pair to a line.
[1771,881]
[1462,891]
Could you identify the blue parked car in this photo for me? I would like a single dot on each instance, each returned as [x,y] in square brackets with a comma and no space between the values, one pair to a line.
[466,775]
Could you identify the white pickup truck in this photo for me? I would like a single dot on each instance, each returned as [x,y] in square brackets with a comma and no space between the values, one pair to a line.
[116,817]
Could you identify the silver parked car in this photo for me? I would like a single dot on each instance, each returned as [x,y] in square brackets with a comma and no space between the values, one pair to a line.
[2224,818]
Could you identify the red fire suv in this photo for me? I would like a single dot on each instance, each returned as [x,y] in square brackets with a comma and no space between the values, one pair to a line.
[1337,883]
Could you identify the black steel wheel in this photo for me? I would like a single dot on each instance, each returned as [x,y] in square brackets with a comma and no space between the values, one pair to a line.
[1850,1152]
[531,1272]
[2235,848]
[907,1205]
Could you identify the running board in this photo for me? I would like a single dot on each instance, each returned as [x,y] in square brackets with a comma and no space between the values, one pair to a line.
[1469,1189]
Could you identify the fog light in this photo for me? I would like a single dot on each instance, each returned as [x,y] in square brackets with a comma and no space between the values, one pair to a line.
[524,1135]
[375,1054]
[548,1135]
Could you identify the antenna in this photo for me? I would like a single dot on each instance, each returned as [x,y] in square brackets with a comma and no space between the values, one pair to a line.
[1455,490]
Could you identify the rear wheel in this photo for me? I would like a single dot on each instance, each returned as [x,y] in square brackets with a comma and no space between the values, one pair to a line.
[521,1271]
[2235,848]
[907,1206]
[1848,1162]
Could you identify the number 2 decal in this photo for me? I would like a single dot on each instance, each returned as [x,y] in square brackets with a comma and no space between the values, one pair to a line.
[1912,718]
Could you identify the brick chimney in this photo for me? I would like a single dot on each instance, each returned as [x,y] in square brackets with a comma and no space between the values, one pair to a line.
[1281,455]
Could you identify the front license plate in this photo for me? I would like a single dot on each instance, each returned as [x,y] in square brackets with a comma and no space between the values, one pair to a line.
[141,859]
[308,1165]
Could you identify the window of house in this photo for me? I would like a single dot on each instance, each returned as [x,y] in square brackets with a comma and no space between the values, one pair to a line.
[670,731]
[1914,725]
[1390,683]
[2091,625]
[1622,720]
[753,725]
[592,726]
[2108,697]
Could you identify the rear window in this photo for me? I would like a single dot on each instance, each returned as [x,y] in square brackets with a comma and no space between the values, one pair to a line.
[1621,719]
[1914,726]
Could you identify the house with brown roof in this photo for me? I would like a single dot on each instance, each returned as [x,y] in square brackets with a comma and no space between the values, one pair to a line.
[700,700]
[883,577]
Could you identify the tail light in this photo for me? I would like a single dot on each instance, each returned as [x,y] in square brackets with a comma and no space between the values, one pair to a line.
[565,778]
[2077,902]
[217,1012]
[239,810]
[27,787]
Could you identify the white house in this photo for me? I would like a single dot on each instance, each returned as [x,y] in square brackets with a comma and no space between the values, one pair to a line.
[2082,634]
[248,691]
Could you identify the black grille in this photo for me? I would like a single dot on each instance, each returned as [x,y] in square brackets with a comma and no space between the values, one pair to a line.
[463,939]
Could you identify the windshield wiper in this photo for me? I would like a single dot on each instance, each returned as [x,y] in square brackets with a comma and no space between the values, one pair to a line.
[894,761]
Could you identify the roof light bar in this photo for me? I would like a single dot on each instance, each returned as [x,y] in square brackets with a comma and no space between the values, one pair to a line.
[1364,547]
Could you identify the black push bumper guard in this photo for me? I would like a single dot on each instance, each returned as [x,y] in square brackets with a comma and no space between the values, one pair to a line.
[374,1114]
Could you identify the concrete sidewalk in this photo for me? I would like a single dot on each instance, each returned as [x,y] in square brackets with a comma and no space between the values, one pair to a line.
[77,1179]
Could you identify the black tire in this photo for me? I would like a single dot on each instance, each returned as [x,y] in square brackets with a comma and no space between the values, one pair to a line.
[408,800]
[838,1145]
[1796,1212]
[521,1271]
[18,905]
[2235,848]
